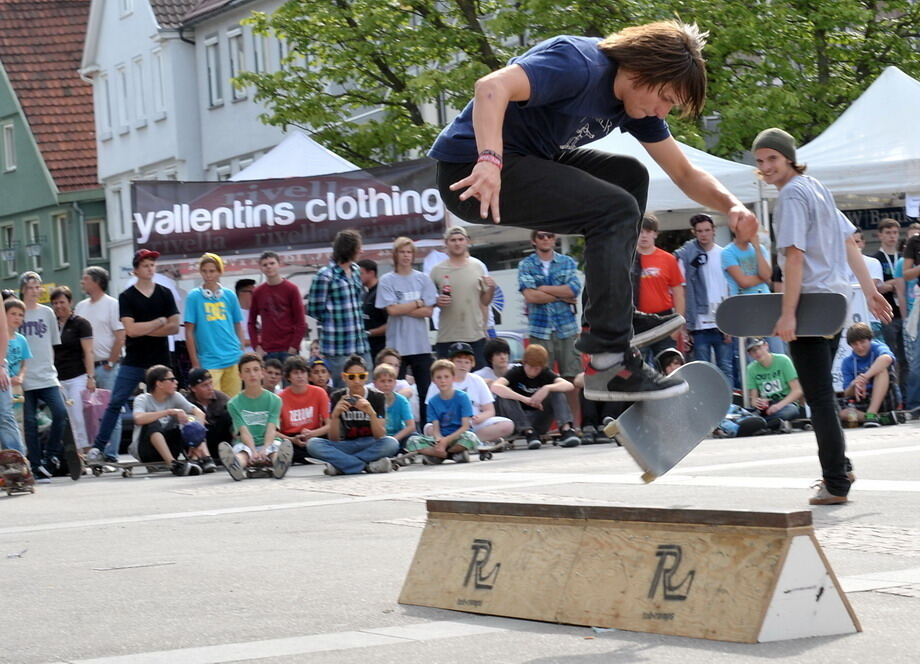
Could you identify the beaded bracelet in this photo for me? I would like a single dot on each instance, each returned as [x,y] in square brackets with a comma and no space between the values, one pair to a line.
[490,156]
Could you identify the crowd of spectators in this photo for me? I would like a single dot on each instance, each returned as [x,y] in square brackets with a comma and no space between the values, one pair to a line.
[372,385]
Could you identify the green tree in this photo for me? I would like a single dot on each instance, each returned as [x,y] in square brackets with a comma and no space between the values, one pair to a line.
[791,63]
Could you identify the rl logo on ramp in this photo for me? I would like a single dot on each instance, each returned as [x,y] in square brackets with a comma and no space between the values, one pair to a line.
[669,557]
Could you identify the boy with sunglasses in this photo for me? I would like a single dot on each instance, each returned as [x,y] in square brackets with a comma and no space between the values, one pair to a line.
[357,439]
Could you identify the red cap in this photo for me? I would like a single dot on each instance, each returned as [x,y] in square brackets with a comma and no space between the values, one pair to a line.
[141,254]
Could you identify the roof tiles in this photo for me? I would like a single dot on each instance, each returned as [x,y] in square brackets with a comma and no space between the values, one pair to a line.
[41,43]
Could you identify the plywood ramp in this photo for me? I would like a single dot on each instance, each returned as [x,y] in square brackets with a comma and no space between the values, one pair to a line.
[724,575]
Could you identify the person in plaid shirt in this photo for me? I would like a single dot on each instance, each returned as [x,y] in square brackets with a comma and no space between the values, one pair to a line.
[336,301]
[549,283]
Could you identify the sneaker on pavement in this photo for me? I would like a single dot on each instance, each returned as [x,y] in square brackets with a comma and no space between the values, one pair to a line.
[42,471]
[460,457]
[649,328]
[588,433]
[193,468]
[824,497]
[95,456]
[533,440]
[331,470]
[179,468]
[283,458]
[208,465]
[568,438]
[382,465]
[872,421]
[230,462]
[631,380]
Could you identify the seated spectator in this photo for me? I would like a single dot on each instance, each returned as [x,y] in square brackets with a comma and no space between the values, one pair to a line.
[272,373]
[161,416]
[669,360]
[486,425]
[533,396]
[304,408]
[256,414]
[774,385]
[400,422]
[358,439]
[392,357]
[595,414]
[867,379]
[319,375]
[213,403]
[450,412]
[497,354]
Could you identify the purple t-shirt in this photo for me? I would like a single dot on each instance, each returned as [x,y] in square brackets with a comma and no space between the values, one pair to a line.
[571,103]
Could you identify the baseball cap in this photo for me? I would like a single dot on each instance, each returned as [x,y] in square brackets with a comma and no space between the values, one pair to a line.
[454,230]
[460,348]
[754,342]
[141,254]
[194,433]
[198,376]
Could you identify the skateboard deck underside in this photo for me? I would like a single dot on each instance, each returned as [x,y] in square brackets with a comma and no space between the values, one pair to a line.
[817,315]
[658,434]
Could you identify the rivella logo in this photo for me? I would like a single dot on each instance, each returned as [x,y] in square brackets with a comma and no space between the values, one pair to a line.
[669,557]
[476,572]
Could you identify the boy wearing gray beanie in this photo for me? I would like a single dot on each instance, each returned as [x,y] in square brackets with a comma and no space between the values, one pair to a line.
[814,244]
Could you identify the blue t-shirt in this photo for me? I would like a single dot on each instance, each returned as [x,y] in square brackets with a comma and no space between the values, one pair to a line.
[398,413]
[449,413]
[853,364]
[746,259]
[215,320]
[16,351]
[571,103]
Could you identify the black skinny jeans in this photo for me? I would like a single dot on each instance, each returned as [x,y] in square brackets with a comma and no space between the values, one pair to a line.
[580,192]
[421,372]
[813,358]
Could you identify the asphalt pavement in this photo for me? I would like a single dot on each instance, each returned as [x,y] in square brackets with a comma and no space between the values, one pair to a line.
[159,568]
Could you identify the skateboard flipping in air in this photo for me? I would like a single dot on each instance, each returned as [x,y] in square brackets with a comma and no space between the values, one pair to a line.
[817,314]
[659,433]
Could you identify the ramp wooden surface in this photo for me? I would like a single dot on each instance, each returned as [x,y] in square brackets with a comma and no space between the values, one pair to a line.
[725,575]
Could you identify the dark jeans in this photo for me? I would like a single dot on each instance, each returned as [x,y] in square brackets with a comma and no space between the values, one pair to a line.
[125,384]
[709,342]
[893,335]
[52,398]
[593,413]
[555,409]
[421,372]
[479,346]
[579,192]
[813,358]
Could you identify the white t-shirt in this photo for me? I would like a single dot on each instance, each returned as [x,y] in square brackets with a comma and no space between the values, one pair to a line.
[475,388]
[858,304]
[716,285]
[103,316]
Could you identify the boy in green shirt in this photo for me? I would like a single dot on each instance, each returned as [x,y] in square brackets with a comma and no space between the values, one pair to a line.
[773,383]
[256,415]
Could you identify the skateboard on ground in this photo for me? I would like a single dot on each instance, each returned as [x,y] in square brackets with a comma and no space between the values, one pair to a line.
[659,433]
[408,458]
[126,468]
[817,315]
[486,450]
[15,473]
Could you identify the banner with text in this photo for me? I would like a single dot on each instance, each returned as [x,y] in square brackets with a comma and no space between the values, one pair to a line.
[190,218]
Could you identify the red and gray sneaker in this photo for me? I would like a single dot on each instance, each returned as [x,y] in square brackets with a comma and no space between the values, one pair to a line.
[631,380]
[649,328]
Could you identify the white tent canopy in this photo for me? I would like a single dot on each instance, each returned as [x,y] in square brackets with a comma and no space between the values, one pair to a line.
[874,146]
[297,155]
[663,193]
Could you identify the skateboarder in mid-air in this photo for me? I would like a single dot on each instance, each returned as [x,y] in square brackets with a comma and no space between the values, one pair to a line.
[815,246]
[512,156]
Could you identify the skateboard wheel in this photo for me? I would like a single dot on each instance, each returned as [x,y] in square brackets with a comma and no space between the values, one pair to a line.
[485,456]
[97,471]
[612,428]
[395,465]
[648,478]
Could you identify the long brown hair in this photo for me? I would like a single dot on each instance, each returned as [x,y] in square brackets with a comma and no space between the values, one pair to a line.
[663,53]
